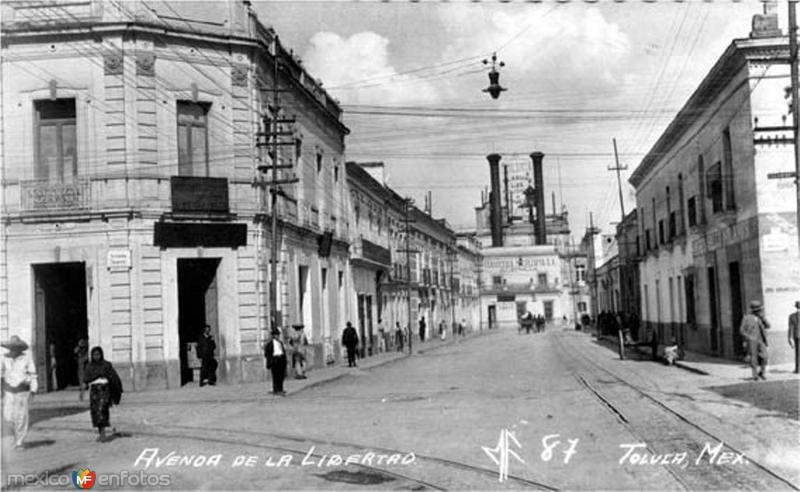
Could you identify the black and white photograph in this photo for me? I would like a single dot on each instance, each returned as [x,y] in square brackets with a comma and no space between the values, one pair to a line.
[399,245]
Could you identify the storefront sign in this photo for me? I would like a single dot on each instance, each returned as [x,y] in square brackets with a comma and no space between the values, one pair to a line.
[741,231]
[192,194]
[119,260]
[520,263]
[176,235]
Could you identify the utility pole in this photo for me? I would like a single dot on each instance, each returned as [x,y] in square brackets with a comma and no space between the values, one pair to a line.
[594,273]
[795,104]
[272,132]
[452,258]
[619,168]
[408,203]
[622,255]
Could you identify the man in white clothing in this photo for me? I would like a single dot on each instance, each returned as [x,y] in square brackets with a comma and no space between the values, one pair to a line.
[18,373]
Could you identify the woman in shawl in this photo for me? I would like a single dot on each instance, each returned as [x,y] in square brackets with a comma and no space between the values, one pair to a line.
[105,389]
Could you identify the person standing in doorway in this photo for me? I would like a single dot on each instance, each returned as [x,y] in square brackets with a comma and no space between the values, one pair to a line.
[753,329]
[794,335]
[350,342]
[422,329]
[442,330]
[81,352]
[105,390]
[275,352]
[205,351]
[298,344]
[18,373]
[398,336]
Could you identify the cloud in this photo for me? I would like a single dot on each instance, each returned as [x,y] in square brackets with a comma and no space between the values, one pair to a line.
[565,53]
[357,71]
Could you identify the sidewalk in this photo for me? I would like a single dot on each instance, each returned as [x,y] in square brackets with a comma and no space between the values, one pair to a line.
[708,365]
[47,405]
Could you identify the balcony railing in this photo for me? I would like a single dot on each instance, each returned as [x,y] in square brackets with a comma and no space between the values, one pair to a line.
[40,196]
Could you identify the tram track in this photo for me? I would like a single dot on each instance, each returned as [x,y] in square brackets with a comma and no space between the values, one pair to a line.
[659,431]
[256,440]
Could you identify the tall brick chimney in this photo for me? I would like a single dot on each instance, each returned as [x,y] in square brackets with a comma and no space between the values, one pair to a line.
[495,210]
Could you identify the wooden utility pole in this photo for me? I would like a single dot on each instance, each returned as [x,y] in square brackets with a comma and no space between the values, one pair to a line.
[795,105]
[619,168]
[408,203]
[272,132]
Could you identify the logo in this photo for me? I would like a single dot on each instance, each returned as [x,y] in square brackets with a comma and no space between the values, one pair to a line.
[83,478]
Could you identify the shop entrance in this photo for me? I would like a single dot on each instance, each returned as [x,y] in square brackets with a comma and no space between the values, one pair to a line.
[59,322]
[197,307]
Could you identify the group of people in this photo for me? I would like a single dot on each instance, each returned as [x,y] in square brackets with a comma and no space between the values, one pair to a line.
[20,383]
[754,332]
[530,322]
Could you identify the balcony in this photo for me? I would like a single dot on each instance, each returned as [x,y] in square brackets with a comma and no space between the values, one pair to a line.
[46,196]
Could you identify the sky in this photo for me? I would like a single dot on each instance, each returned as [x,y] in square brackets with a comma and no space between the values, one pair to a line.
[409,78]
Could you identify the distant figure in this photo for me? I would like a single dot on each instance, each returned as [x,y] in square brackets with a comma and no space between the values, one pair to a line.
[350,342]
[422,329]
[105,390]
[442,330]
[794,335]
[81,354]
[540,322]
[18,373]
[275,352]
[298,342]
[381,337]
[398,336]
[461,327]
[54,366]
[527,322]
[753,329]
[205,352]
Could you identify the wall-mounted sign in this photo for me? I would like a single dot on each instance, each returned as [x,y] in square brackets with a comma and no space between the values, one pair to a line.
[119,259]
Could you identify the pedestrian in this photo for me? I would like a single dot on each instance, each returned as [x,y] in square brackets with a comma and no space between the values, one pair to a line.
[398,336]
[422,329]
[794,335]
[54,367]
[298,342]
[81,352]
[461,327]
[527,322]
[275,352]
[350,342]
[205,351]
[381,337]
[753,329]
[18,373]
[442,330]
[105,390]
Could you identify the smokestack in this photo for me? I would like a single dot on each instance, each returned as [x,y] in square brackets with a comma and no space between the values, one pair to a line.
[496,218]
[540,227]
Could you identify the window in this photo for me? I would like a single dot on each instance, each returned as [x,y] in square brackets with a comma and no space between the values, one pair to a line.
[647,240]
[548,309]
[541,279]
[56,141]
[336,174]
[727,172]
[298,149]
[673,225]
[580,273]
[691,207]
[582,307]
[497,280]
[192,139]
[714,187]
[701,205]
[681,203]
[319,162]
[661,238]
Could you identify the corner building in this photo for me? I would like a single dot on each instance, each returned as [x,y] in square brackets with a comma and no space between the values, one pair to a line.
[133,209]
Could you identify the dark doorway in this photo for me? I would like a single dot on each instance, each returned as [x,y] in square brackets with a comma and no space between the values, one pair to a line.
[60,321]
[492,316]
[736,306]
[197,307]
[712,308]
[362,321]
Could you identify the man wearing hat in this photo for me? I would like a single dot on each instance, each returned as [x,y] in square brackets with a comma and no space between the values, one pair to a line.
[275,352]
[794,335]
[753,329]
[18,373]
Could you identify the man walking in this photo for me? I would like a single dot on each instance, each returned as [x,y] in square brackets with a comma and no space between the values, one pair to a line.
[398,336]
[753,329]
[794,335]
[350,342]
[18,373]
[205,351]
[275,351]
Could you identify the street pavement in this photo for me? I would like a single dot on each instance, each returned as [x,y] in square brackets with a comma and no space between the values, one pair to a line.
[555,410]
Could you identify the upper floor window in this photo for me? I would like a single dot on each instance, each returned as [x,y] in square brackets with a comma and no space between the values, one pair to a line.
[298,149]
[714,187]
[580,273]
[692,211]
[192,139]
[727,171]
[541,279]
[56,140]
[336,174]
[319,162]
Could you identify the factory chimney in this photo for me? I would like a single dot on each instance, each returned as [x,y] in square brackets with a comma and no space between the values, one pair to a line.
[495,210]
[540,226]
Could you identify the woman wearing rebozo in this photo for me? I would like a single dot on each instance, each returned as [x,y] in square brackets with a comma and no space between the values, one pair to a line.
[105,389]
